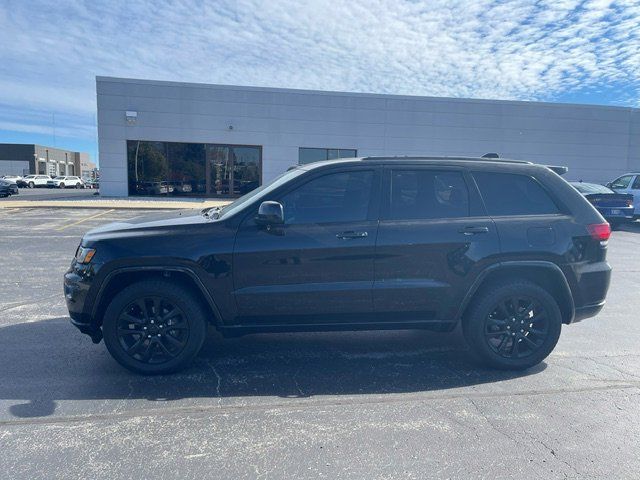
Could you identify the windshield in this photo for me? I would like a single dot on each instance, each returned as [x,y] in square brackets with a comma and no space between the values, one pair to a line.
[261,191]
[588,188]
[59,178]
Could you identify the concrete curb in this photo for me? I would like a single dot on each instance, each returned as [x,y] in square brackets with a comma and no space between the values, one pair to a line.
[111,204]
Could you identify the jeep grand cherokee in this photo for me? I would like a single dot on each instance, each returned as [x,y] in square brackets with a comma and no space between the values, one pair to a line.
[507,248]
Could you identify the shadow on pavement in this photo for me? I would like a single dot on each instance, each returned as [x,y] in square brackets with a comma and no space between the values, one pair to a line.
[47,361]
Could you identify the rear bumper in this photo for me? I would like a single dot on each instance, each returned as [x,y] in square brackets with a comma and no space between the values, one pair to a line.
[587,311]
[621,213]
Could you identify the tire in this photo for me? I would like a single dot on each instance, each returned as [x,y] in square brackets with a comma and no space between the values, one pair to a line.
[78,186]
[150,356]
[61,185]
[32,185]
[531,330]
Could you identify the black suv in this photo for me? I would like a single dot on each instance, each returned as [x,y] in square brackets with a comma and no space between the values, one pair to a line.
[507,248]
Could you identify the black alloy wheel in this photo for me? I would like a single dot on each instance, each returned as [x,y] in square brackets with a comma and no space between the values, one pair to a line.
[517,327]
[155,327]
[152,330]
[512,325]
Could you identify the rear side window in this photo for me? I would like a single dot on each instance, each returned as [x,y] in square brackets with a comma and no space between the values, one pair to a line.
[336,197]
[427,194]
[622,182]
[509,194]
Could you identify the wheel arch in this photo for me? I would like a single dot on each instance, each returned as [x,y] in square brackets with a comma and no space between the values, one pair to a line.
[121,278]
[543,273]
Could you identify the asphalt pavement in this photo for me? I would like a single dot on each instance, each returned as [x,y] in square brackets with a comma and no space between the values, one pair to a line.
[363,405]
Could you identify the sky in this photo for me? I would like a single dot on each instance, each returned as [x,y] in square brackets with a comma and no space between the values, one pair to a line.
[575,51]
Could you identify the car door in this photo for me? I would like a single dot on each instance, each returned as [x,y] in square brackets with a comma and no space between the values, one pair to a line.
[433,239]
[318,266]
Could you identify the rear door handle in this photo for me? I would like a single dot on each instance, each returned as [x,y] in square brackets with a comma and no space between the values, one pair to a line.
[473,230]
[350,234]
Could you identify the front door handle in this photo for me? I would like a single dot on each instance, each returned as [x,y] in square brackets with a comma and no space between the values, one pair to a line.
[350,234]
[472,230]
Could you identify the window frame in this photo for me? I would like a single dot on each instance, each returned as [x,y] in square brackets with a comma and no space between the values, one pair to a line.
[562,210]
[476,207]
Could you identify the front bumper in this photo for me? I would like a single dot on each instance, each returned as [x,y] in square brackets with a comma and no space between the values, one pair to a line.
[76,289]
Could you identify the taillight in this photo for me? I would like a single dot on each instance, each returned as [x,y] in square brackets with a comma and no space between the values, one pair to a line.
[599,231]
[629,203]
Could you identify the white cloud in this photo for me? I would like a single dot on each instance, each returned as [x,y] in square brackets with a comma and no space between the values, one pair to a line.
[51,51]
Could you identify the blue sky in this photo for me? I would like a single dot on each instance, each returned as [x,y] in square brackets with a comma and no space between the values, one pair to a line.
[577,51]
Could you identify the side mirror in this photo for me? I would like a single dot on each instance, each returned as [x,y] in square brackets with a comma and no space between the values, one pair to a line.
[270,213]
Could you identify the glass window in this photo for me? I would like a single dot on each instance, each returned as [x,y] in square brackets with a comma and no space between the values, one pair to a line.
[422,194]
[588,188]
[508,194]
[191,169]
[336,197]
[309,155]
[622,182]
[636,183]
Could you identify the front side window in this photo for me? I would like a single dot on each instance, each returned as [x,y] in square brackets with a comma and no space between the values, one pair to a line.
[427,194]
[512,194]
[636,183]
[336,197]
[622,182]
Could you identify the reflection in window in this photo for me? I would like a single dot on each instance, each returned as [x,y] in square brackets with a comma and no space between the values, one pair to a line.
[309,155]
[191,169]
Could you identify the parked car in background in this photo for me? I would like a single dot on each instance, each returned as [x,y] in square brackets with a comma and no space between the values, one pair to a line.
[91,184]
[505,248]
[11,178]
[33,181]
[615,207]
[628,183]
[8,188]
[68,181]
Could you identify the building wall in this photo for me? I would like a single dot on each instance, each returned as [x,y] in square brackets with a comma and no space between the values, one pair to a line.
[595,142]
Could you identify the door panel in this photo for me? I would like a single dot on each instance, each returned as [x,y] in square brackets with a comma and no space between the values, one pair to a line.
[432,242]
[318,266]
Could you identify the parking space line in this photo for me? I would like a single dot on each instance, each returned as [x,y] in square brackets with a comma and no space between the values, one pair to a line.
[84,219]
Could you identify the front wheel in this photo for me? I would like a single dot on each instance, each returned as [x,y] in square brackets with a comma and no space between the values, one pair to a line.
[154,327]
[513,326]
[61,185]
[32,185]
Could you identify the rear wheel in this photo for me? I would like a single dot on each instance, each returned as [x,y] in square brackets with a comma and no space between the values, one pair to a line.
[154,327]
[61,185]
[78,185]
[513,326]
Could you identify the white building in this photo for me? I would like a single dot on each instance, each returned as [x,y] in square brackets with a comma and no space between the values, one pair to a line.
[195,139]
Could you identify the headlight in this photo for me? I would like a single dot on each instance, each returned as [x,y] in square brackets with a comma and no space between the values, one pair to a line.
[84,255]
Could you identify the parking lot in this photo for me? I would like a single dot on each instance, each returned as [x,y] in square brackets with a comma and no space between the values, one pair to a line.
[368,405]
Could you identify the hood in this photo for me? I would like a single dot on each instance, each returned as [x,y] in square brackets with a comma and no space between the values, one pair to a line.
[152,224]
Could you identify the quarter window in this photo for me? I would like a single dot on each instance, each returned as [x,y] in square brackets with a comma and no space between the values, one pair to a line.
[428,194]
[336,197]
[508,194]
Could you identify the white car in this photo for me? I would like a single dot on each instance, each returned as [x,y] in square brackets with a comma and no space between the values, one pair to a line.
[12,178]
[66,182]
[33,181]
[628,183]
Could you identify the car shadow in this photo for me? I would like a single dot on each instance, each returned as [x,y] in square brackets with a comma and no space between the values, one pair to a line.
[48,361]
